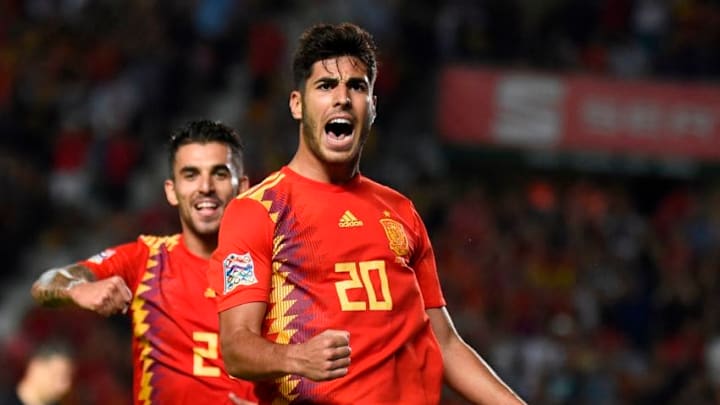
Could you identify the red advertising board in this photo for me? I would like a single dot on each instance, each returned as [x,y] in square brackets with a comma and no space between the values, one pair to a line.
[573,112]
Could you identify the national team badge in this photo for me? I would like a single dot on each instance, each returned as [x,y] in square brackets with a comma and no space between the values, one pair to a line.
[396,236]
[102,256]
[238,270]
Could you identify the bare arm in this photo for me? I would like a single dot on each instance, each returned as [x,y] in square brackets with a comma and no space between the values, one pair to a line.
[76,284]
[53,286]
[250,356]
[465,371]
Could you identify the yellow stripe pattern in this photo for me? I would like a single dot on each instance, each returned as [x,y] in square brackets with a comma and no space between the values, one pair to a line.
[140,327]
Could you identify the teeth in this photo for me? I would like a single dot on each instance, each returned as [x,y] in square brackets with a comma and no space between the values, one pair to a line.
[206,205]
[340,121]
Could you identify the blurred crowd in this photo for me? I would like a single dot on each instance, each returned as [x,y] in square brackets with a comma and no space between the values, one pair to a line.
[576,288]
[582,291]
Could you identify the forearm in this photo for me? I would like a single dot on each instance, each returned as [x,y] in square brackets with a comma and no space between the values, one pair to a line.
[252,357]
[465,371]
[53,286]
[468,374]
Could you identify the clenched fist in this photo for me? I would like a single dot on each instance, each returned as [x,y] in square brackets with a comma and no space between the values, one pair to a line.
[106,297]
[325,356]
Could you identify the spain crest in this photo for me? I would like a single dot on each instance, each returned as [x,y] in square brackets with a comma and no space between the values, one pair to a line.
[396,236]
[238,269]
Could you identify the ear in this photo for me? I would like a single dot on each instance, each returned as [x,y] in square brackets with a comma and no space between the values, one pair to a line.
[373,109]
[243,185]
[296,104]
[170,193]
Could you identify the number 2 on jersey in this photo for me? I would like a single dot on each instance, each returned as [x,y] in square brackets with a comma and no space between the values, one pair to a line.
[210,351]
[364,281]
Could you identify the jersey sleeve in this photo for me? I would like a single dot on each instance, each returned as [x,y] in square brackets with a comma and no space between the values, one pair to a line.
[240,268]
[423,261]
[124,260]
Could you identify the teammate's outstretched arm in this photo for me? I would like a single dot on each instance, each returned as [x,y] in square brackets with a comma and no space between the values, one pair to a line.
[250,356]
[76,284]
[465,371]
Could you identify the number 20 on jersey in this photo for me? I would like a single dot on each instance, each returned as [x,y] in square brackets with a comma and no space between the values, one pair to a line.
[360,278]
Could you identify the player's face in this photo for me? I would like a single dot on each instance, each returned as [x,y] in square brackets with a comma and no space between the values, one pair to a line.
[336,109]
[204,181]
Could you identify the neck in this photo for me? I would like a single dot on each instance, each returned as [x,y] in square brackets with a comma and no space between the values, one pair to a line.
[28,395]
[201,246]
[325,173]
[306,164]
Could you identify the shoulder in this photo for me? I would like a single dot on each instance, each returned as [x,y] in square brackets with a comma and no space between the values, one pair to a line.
[260,191]
[155,242]
[264,199]
[383,191]
[126,251]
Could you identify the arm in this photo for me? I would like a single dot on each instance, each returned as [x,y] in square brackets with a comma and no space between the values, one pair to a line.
[76,284]
[250,356]
[465,371]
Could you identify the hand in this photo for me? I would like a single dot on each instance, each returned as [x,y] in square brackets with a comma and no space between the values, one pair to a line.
[239,401]
[324,357]
[106,297]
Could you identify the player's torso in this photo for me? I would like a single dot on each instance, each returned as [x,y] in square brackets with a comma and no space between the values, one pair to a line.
[175,326]
[350,253]
[342,261]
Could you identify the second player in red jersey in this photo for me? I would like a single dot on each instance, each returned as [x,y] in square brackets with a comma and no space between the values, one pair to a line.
[176,356]
[162,282]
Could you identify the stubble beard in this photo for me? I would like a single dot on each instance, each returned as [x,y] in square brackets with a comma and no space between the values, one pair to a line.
[205,232]
[313,143]
[200,229]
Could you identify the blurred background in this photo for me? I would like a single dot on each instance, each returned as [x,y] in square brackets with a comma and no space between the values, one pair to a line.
[563,153]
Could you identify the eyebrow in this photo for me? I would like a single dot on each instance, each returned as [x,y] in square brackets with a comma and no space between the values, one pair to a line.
[188,169]
[356,80]
[326,79]
[335,80]
[213,169]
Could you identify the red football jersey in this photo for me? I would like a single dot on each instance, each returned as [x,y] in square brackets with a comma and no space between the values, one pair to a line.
[176,356]
[354,257]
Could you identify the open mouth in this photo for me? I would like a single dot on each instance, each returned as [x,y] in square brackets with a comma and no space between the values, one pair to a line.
[207,207]
[339,129]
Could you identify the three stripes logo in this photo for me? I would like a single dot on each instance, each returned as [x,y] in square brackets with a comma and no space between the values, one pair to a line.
[348,220]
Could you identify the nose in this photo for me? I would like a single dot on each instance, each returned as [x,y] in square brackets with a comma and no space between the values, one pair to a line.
[206,184]
[342,97]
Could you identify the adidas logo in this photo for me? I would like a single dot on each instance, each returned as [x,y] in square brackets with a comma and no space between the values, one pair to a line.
[348,220]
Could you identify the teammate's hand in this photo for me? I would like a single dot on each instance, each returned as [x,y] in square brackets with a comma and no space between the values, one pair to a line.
[325,356]
[106,297]
[239,401]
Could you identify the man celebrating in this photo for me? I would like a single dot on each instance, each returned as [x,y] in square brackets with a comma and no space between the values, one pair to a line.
[326,281]
[161,280]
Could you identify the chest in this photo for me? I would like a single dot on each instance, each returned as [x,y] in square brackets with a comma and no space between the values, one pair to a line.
[324,232]
[175,289]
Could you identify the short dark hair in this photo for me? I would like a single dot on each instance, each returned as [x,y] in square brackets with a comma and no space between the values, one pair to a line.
[204,131]
[51,348]
[325,41]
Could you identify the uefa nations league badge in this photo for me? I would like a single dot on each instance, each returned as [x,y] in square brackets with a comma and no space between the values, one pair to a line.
[239,269]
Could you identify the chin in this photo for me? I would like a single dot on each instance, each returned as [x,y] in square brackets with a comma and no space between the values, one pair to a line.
[206,229]
[334,157]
